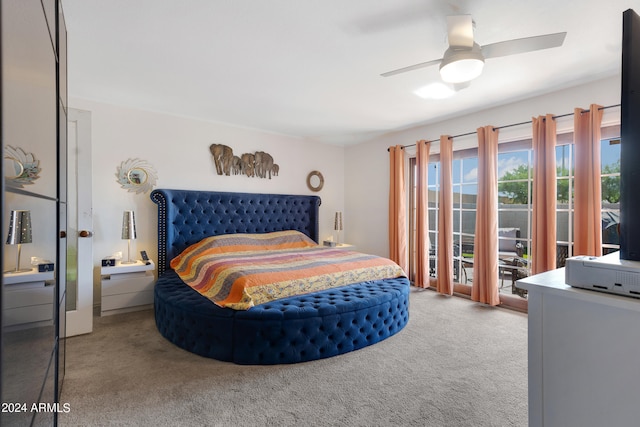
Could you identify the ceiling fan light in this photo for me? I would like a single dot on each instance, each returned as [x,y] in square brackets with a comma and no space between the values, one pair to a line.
[461,65]
[436,90]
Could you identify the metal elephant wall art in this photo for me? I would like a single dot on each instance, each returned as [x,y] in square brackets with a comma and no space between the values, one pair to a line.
[258,164]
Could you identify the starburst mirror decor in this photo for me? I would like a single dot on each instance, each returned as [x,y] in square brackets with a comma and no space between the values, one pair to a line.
[20,168]
[137,176]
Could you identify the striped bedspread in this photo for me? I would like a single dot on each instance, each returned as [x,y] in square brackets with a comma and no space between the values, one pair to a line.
[243,272]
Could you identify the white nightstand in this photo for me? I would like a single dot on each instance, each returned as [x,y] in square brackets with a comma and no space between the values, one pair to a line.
[127,287]
[346,246]
[28,298]
[340,246]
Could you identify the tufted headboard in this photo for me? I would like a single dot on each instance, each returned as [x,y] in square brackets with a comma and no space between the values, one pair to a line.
[187,216]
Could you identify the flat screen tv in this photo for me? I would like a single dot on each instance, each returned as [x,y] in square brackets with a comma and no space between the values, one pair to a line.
[630,139]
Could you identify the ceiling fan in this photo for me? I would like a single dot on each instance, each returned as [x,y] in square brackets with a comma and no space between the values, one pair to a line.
[464,59]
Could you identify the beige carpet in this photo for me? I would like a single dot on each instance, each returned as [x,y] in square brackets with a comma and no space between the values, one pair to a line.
[456,363]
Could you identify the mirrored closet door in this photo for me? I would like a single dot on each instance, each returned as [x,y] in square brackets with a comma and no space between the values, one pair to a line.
[33,214]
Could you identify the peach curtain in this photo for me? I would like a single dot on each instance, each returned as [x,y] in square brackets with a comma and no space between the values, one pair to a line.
[445,218]
[587,239]
[485,268]
[543,239]
[421,278]
[397,208]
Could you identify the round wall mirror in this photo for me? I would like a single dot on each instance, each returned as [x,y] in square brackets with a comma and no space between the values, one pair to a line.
[315,181]
[12,168]
[137,176]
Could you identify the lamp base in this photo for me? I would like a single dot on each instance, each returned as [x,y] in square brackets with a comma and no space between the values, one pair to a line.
[129,260]
[18,269]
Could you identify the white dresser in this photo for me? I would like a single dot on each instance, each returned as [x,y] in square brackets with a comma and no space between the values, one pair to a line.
[584,355]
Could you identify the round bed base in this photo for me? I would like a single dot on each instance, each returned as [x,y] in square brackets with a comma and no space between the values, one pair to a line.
[290,330]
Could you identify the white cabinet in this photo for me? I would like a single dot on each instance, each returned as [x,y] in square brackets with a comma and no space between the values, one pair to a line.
[28,298]
[127,287]
[584,348]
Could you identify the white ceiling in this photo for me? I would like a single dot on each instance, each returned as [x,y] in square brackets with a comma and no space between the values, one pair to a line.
[311,68]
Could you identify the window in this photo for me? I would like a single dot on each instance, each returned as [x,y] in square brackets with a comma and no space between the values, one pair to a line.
[564,202]
[610,163]
[433,195]
[465,189]
[465,193]
[515,210]
[434,199]
[610,182]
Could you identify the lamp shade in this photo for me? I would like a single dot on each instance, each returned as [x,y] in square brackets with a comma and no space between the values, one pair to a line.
[337,225]
[461,64]
[19,227]
[128,225]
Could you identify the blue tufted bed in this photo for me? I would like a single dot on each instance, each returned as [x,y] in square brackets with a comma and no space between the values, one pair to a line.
[290,330]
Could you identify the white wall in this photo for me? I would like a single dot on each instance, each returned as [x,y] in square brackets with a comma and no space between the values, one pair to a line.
[367,164]
[178,148]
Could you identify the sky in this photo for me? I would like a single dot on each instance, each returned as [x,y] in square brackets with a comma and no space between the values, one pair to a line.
[610,154]
[508,162]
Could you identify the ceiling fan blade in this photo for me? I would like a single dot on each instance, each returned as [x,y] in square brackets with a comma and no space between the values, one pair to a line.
[411,68]
[460,30]
[527,44]
[393,19]
[410,12]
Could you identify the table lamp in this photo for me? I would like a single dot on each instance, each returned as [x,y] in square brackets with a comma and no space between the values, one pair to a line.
[19,233]
[128,233]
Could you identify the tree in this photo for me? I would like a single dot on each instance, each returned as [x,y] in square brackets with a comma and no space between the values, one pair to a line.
[562,188]
[611,184]
[516,186]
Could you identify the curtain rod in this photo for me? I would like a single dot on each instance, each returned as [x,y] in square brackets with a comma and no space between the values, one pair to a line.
[511,125]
